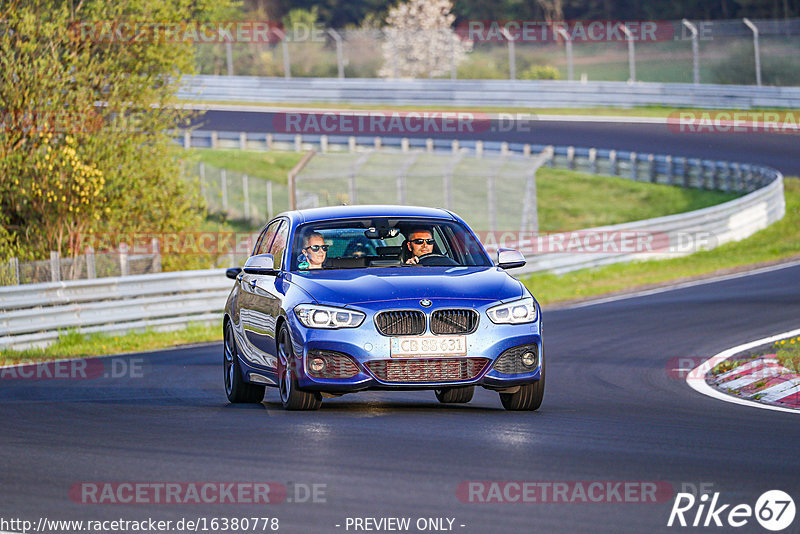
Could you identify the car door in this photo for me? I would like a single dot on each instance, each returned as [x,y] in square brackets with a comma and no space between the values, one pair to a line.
[262,300]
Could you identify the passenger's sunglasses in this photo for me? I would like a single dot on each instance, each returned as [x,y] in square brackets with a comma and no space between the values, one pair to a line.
[421,241]
[315,248]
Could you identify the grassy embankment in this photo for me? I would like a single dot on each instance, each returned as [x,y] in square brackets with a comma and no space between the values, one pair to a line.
[567,201]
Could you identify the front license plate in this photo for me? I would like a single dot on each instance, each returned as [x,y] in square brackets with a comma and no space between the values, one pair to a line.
[429,346]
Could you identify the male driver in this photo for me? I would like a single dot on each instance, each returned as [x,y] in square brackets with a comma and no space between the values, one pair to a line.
[420,243]
[315,250]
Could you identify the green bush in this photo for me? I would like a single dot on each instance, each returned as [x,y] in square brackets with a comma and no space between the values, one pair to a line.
[540,72]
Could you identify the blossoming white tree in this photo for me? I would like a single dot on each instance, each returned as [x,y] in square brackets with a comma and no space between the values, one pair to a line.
[420,40]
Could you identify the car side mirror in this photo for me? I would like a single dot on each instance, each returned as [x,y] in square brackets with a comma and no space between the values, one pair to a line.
[233,272]
[509,259]
[260,264]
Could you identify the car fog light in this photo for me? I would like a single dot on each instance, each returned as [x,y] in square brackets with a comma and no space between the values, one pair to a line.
[317,365]
[529,359]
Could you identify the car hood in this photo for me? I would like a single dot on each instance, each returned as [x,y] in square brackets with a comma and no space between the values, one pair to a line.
[354,286]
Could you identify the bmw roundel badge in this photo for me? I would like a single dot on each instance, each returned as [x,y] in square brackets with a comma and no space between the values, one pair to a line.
[425,302]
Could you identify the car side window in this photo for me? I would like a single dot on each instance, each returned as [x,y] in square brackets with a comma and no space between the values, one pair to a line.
[265,240]
[279,244]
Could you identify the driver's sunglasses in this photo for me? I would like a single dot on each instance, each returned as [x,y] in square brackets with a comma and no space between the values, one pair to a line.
[421,241]
[315,248]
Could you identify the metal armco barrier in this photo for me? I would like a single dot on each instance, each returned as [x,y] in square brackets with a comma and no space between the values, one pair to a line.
[484,93]
[33,314]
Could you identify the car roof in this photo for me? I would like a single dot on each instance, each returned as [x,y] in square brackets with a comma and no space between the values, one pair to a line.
[359,211]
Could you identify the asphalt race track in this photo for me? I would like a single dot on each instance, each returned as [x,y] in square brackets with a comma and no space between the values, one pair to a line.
[614,411]
[777,150]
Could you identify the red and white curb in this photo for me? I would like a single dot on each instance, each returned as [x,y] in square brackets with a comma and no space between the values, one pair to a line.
[754,383]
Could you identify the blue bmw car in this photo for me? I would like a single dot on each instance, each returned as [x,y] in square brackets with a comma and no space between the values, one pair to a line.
[349,298]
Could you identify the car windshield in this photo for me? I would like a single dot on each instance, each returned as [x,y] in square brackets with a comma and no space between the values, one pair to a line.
[385,242]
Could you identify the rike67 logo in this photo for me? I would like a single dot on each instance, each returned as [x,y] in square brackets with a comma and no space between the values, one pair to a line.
[774,510]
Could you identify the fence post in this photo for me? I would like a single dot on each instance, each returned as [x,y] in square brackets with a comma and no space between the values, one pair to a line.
[377,143]
[404,145]
[223,178]
[339,57]
[512,56]
[550,155]
[571,157]
[246,198]
[634,166]
[298,143]
[695,51]
[526,150]
[754,29]
[215,139]
[91,267]
[269,141]
[242,140]
[14,264]
[670,170]
[429,144]
[123,259]
[631,52]
[287,66]
[351,143]
[202,170]
[269,200]
[593,160]
[568,45]
[323,144]
[651,167]
[187,139]
[156,246]
[612,163]
[55,266]
[229,57]
[478,149]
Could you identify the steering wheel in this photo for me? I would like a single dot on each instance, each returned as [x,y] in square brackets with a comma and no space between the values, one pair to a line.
[435,260]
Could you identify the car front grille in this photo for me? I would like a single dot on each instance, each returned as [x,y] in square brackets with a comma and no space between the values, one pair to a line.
[417,370]
[454,321]
[510,361]
[337,365]
[400,323]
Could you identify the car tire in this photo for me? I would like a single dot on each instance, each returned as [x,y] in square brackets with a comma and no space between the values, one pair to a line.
[292,398]
[528,397]
[456,395]
[237,390]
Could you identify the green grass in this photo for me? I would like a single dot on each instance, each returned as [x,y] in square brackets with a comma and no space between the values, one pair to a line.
[788,353]
[779,241]
[273,166]
[570,200]
[71,344]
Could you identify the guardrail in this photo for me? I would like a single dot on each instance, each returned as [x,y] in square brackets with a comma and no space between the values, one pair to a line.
[34,314]
[484,93]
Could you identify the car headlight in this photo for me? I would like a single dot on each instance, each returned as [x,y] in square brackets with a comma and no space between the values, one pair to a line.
[315,316]
[517,312]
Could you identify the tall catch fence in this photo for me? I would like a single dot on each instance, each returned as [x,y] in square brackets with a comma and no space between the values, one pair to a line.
[723,50]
